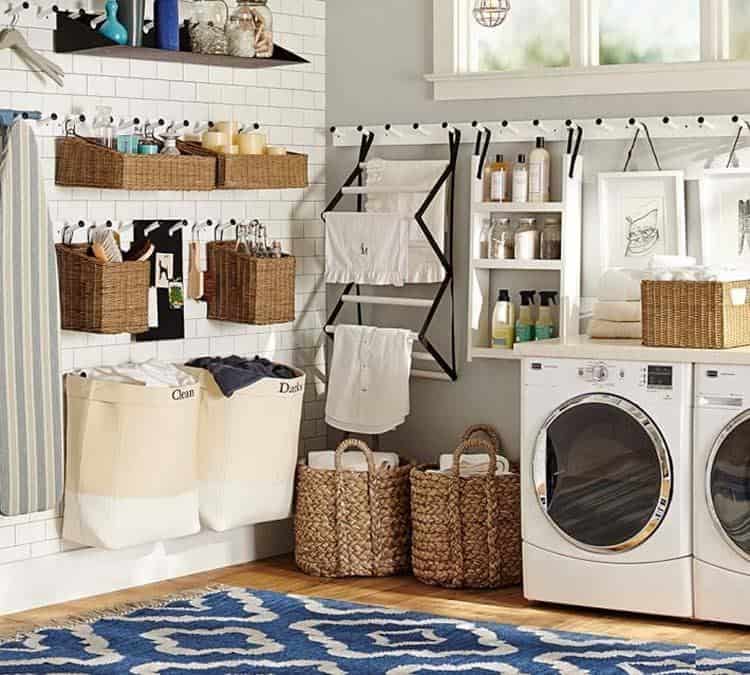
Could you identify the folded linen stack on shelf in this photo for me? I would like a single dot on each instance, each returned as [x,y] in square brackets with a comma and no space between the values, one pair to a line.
[617,312]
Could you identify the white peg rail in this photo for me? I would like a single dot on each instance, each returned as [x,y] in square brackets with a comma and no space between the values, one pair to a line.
[524,131]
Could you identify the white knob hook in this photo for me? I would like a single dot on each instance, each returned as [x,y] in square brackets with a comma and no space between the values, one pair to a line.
[151,228]
[419,129]
[602,124]
[45,11]
[507,126]
[390,130]
[177,227]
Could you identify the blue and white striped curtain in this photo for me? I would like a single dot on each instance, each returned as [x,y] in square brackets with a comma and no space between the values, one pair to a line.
[31,437]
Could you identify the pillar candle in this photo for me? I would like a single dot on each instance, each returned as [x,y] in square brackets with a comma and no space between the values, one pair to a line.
[275,151]
[252,144]
[214,139]
[231,129]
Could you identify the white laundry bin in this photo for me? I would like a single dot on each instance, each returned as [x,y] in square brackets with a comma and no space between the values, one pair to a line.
[131,463]
[247,450]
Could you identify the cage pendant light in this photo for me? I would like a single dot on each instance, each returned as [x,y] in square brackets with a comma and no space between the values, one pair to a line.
[491,13]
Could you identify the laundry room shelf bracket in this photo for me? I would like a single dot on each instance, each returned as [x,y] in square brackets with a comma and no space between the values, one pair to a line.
[447,364]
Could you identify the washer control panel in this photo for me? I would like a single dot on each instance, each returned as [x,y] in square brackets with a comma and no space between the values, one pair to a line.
[601,373]
[659,378]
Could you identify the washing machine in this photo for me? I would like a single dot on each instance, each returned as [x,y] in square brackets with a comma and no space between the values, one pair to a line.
[607,489]
[722,493]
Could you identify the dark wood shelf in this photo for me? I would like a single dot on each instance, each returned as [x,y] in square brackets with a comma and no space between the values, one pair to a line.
[73,34]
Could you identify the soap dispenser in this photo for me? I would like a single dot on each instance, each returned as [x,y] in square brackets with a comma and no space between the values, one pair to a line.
[525,323]
[503,320]
[545,328]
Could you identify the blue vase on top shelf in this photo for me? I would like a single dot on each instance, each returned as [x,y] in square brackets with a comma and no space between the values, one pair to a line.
[112,28]
[167,23]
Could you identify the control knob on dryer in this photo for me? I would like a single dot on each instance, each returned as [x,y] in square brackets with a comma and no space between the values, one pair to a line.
[600,373]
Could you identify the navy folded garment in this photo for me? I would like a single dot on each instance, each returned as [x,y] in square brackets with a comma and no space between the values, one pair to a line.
[233,373]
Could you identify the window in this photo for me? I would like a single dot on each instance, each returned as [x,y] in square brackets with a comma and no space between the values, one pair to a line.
[561,47]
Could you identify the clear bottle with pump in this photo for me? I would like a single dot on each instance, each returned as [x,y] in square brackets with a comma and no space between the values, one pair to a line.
[499,180]
[521,180]
[546,323]
[503,322]
[525,324]
[539,163]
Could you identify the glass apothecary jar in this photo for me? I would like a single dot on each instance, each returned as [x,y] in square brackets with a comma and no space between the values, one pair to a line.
[207,25]
[551,240]
[250,30]
[527,239]
[502,239]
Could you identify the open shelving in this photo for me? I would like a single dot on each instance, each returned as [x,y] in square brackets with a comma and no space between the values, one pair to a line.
[486,276]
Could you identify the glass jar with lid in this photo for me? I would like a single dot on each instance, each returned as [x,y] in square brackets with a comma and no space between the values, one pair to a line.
[206,26]
[502,244]
[250,30]
[527,239]
[484,239]
[551,239]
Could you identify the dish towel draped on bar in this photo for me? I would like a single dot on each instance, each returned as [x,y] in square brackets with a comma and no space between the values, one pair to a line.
[31,443]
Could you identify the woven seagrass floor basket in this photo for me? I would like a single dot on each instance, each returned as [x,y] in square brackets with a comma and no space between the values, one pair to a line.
[352,523]
[467,531]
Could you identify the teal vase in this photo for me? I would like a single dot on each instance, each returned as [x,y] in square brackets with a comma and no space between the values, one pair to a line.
[112,28]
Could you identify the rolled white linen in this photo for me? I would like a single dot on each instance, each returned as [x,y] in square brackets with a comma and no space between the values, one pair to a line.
[623,311]
[615,330]
[353,460]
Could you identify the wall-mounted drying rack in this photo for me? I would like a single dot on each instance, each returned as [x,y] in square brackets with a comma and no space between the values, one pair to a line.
[448,368]
[524,131]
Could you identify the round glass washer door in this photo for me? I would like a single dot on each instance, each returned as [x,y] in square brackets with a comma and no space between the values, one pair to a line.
[603,473]
[728,483]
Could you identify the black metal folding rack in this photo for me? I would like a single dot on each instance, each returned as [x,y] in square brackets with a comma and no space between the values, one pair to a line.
[446,364]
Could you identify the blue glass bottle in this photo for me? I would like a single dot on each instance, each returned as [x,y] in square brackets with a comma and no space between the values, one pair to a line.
[167,22]
[112,28]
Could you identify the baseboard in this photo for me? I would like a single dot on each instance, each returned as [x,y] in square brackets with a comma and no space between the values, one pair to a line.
[85,572]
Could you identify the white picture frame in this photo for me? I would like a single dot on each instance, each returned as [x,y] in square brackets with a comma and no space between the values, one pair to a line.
[642,214]
[724,243]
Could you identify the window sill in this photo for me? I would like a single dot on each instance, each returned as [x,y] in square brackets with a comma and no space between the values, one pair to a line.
[593,81]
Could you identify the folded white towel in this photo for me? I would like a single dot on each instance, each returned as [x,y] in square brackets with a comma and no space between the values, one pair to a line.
[628,312]
[368,381]
[474,465]
[616,330]
[366,248]
[352,460]
[618,284]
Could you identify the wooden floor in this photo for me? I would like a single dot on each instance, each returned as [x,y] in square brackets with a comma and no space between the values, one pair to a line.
[504,606]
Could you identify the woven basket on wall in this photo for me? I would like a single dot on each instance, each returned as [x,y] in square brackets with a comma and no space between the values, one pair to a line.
[352,523]
[254,172]
[467,531]
[246,289]
[696,314]
[82,162]
[99,297]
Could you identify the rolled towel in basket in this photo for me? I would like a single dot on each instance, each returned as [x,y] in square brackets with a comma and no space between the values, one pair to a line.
[622,311]
[352,460]
[615,330]
[474,465]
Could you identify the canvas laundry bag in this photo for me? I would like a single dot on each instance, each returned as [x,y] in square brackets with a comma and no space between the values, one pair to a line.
[247,450]
[131,474]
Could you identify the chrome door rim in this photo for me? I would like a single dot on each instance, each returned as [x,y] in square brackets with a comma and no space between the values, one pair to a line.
[728,429]
[539,469]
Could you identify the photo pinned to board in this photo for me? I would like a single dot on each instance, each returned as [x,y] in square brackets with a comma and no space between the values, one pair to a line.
[642,214]
[725,217]
[164,269]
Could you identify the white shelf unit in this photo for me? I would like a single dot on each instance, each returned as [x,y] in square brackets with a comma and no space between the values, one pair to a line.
[486,276]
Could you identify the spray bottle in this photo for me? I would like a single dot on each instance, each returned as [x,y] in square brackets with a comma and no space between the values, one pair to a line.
[525,323]
[546,325]
[503,319]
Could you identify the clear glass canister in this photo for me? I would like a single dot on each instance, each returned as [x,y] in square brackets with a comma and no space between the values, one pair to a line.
[207,27]
[250,30]
[502,244]
[484,239]
[551,240]
[527,239]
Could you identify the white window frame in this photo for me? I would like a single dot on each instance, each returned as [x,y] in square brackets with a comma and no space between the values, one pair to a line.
[453,81]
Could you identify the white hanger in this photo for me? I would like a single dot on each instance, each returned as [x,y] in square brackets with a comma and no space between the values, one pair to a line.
[10,38]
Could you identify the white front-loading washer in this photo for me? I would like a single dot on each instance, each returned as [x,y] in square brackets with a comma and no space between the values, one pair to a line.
[722,493]
[606,484]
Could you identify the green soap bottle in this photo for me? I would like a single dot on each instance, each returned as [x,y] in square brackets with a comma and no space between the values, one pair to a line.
[546,328]
[525,328]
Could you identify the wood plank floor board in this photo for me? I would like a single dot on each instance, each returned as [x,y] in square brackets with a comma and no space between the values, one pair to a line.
[501,606]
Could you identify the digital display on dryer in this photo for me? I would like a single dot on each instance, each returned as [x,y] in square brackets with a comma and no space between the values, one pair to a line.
[660,377]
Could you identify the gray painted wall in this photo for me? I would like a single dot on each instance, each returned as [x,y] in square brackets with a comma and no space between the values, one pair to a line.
[377,56]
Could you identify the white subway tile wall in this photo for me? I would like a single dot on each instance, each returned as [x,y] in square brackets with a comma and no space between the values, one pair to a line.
[290,104]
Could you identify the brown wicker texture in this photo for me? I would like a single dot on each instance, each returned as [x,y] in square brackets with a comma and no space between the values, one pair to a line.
[352,523]
[84,163]
[245,289]
[254,172]
[695,314]
[98,297]
[467,531]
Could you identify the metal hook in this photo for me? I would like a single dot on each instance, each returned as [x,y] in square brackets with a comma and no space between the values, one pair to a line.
[177,227]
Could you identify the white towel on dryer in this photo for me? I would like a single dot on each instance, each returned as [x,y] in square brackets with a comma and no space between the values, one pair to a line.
[366,248]
[424,265]
[368,382]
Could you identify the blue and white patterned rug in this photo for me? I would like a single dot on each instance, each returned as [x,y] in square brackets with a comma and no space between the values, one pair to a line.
[236,630]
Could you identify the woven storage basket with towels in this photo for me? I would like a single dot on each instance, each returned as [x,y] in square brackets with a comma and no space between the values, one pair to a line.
[352,523]
[467,531]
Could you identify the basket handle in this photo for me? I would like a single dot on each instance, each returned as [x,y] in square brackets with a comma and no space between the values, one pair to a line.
[474,444]
[486,429]
[359,445]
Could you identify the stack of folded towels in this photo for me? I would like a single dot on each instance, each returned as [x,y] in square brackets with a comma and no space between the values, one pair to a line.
[617,312]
